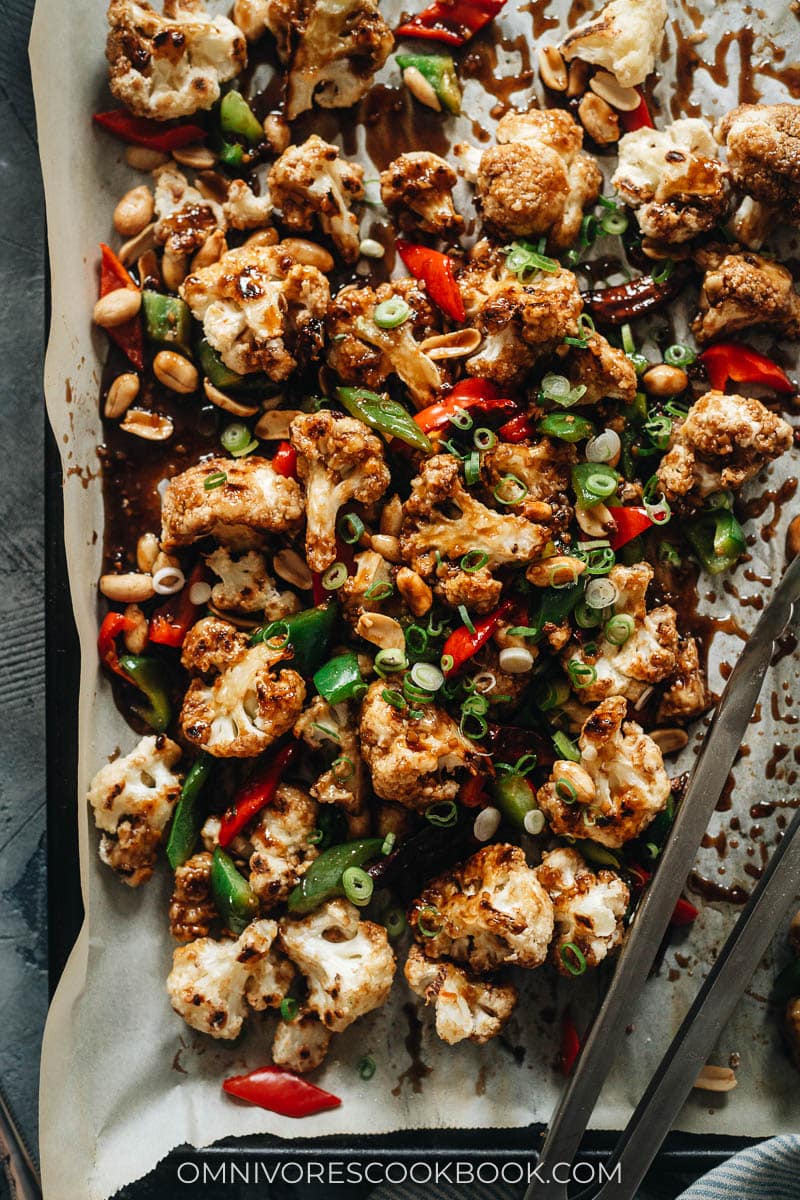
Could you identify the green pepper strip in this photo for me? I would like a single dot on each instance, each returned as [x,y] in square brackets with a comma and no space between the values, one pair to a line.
[554,606]
[237,117]
[515,798]
[717,539]
[323,879]
[187,820]
[167,320]
[340,678]
[237,903]
[593,852]
[567,427]
[440,72]
[310,633]
[384,414]
[148,675]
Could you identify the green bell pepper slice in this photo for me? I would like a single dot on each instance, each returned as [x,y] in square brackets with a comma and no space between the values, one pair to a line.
[594,483]
[148,676]
[552,606]
[385,415]
[340,678]
[323,879]
[718,540]
[167,320]
[440,72]
[310,633]
[515,798]
[237,117]
[566,426]
[187,820]
[214,369]
[599,856]
[237,903]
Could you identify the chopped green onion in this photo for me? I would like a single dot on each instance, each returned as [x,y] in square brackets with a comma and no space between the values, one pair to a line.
[472,468]
[663,273]
[484,438]
[466,618]
[600,594]
[658,428]
[580,342]
[608,202]
[565,747]
[414,693]
[366,1065]
[237,440]
[572,958]
[586,617]
[388,843]
[534,822]
[679,355]
[427,919]
[668,555]
[473,726]
[444,814]
[585,324]
[214,480]
[315,837]
[476,703]
[566,791]
[600,485]
[614,223]
[289,1009]
[524,260]
[391,313]
[427,676]
[513,484]
[555,387]
[473,560]
[342,768]
[447,662]
[351,528]
[416,639]
[358,886]
[395,698]
[381,590]
[554,696]
[389,661]
[655,502]
[461,419]
[581,674]
[326,731]
[599,560]
[618,629]
[394,920]
[588,230]
[334,577]
[277,635]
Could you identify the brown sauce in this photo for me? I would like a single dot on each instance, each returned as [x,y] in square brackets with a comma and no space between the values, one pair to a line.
[712,891]
[480,62]
[417,1070]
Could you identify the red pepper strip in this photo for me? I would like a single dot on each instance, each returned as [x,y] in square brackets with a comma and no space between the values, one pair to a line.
[470,393]
[630,522]
[114,624]
[517,429]
[462,644]
[638,118]
[451,21]
[436,272]
[171,622]
[319,594]
[640,877]
[740,364]
[128,336]
[685,913]
[140,131]
[284,460]
[570,1043]
[255,795]
[472,793]
[280,1092]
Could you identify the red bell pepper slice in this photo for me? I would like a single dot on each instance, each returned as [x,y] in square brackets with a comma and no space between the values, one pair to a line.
[284,460]
[114,624]
[462,644]
[255,795]
[637,118]
[630,522]
[171,622]
[570,1043]
[451,21]
[731,361]
[435,270]
[685,913]
[479,394]
[140,131]
[128,336]
[472,792]
[517,429]
[281,1092]
[639,876]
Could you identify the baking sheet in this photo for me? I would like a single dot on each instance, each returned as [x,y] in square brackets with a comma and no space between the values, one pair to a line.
[123,1079]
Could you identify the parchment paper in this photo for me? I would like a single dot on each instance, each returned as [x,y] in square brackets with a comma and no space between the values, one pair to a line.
[123,1079]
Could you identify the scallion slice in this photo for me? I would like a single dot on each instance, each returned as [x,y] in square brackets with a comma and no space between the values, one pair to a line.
[391,313]
[334,577]
[358,886]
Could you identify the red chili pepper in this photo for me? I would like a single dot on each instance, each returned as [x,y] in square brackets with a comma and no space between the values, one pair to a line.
[284,460]
[684,914]
[640,877]
[637,118]
[128,336]
[114,624]
[319,594]
[740,364]
[517,429]
[256,794]
[171,622]
[281,1092]
[630,522]
[436,272]
[451,21]
[140,131]
[570,1043]
[472,793]
[462,643]
[470,393]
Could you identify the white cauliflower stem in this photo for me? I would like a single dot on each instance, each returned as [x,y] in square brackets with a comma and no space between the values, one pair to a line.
[465,1007]
[311,183]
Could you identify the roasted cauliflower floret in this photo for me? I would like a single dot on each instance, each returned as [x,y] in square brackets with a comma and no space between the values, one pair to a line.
[364,354]
[260,309]
[133,798]
[243,209]
[544,468]
[334,727]
[419,187]
[465,1007]
[763,146]
[256,17]
[211,984]
[617,789]
[192,910]
[211,645]
[723,441]
[338,460]
[171,65]
[301,1045]
[247,586]
[252,501]
[338,47]
[372,574]
[606,372]
[537,180]
[742,290]
[311,185]
[282,852]
[414,761]
[674,180]
[648,655]
[348,963]
[489,910]
[686,693]
[589,909]
[185,219]
[624,37]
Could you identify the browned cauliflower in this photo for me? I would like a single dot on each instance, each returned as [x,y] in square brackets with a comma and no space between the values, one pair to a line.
[372,574]
[171,65]
[260,309]
[674,180]
[282,852]
[742,290]
[537,180]
[465,1007]
[488,911]
[245,585]
[348,963]
[335,727]
[364,354]
[648,655]
[311,185]
[301,1045]
[133,798]
[338,460]
[686,693]
[589,909]
[414,761]
[257,17]
[243,209]
[192,910]
[618,787]
[253,500]
[247,704]
[723,441]
[185,219]
[763,145]
[418,187]
[544,468]
[213,985]
[624,37]
[606,372]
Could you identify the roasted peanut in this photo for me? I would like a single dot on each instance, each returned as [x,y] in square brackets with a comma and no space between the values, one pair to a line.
[558,570]
[274,425]
[226,402]
[174,268]
[414,590]
[664,380]
[143,242]
[308,253]
[211,250]
[388,547]
[262,237]
[152,426]
[577,78]
[577,778]
[597,521]
[127,589]
[135,638]
[456,344]
[793,538]
[605,85]
[134,211]
[380,630]
[175,372]
[552,68]
[277,133]
[212,186]
[599,119]
[670,741]
[142,158]
[195,155]
[420,89]
[392,516]
[117,307]
[147,550]
[121,395]
[289,566]
[149,271]
[716,1079]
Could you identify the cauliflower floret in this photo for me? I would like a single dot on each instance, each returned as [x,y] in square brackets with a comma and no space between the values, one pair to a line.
[260,309]
[256,17]
[372,574]
[338,460]
[414,761]
[192,910]
[243,209]
[335,727]
[538,179]
[648,655]
[621,781]
[686,694]
[211,983]
[282,852]
[742,290]
[723,441]
[673,179]
[763,145]
[419,187]
[185,219]
[348,963]
[478,590]
[301,1045]
[544,468]
[247,586]
[606,372]
[211,645]
[465,1007]
[589,908]
[362,353]
[172,65]
[252,501]
[311,183]
[133,798]
[624,38]
[338,48]
[489,910]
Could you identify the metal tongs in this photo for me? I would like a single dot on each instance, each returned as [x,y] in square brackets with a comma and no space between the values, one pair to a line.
[735,964]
